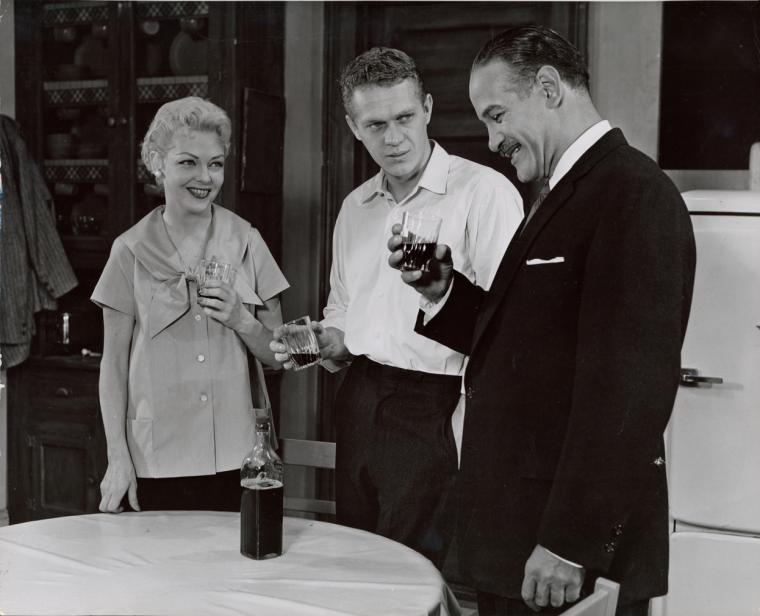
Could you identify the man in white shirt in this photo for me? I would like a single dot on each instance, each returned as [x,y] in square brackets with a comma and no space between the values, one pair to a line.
[574,352]
[396,455]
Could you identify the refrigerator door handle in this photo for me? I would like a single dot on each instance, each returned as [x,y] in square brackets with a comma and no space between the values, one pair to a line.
[690,378]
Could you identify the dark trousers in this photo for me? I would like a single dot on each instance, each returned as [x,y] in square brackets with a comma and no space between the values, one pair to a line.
[494,605]
[396,458]
[220,492]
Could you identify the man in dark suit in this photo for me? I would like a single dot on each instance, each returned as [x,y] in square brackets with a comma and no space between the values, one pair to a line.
[574,351]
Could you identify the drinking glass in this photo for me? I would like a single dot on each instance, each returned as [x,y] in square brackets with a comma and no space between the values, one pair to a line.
[419,235]
[302,343]
[209,269]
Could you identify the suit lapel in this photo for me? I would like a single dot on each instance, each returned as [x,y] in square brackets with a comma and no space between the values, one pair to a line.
[524,237]
[515,255]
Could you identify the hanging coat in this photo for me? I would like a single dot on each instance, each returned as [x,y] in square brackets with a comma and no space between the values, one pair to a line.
[34,269]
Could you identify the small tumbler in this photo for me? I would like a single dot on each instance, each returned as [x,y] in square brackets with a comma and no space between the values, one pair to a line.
[419,234]
[213,270]
[302,343]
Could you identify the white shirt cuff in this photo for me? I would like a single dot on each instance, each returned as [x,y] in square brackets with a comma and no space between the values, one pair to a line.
[433,308]
[564,560]
[334,365]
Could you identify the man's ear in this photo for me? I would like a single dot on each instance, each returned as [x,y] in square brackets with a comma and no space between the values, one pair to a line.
[551,85]
[427,105]
[352,125]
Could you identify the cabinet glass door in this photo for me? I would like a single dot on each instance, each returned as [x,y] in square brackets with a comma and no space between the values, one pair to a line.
[78,52]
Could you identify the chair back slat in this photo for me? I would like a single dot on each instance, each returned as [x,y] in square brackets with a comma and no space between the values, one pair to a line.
[309,505]
[311,454]
[316,454]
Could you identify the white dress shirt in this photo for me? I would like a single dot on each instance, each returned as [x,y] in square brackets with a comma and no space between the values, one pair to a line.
[368,301]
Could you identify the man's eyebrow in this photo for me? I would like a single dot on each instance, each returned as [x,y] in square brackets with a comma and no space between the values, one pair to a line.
[403,112]
[487,111]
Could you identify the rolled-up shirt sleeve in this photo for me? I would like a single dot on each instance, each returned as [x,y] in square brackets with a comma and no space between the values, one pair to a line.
[115,288]
[337,302]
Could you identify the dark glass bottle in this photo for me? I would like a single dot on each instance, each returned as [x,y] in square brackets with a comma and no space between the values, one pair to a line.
[261,500]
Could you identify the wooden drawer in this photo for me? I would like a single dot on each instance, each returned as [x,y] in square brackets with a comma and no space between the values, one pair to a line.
[71,391]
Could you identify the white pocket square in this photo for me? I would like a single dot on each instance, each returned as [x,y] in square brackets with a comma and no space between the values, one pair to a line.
[545,261]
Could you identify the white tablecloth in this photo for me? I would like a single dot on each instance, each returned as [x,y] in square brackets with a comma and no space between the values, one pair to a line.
[189,563]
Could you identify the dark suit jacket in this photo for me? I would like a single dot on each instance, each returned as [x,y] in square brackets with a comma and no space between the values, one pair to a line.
[573,371]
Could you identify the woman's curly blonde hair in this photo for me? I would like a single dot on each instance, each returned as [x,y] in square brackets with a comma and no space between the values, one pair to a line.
[191,112]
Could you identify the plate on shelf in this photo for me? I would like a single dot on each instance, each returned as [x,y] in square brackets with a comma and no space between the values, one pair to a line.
[93,55]
[188,55]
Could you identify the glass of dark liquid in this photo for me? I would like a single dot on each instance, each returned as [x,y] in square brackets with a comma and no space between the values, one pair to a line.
[208,269]
[302,343]
[419,235]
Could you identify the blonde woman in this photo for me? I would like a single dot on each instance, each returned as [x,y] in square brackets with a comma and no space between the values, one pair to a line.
[174,381]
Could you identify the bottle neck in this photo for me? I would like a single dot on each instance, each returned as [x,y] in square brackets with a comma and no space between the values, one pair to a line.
[261,434]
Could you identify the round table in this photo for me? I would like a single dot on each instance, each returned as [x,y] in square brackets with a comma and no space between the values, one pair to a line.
[189,563]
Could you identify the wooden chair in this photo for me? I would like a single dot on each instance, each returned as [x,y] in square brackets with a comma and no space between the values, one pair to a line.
[311,454]
[601,602]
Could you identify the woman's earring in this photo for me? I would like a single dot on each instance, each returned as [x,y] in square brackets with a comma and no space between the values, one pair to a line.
[158,174]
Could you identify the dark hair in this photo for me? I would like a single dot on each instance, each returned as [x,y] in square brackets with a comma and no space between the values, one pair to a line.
[527,48]
[378,66]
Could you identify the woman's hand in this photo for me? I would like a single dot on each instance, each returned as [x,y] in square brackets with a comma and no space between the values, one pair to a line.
[119,479]
[221,302]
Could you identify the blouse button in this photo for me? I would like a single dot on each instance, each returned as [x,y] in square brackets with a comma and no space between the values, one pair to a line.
[204,397]
[197,317]
[201,357]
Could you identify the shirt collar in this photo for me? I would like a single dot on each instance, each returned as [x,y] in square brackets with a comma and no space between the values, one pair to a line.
[153,248]
[151,245]
[577,149]
[434,177]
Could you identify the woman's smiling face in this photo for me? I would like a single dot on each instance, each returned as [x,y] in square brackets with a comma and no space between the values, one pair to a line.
[193,170]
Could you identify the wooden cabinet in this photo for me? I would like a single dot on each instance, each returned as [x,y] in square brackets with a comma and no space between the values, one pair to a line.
[56,443]
[90,77]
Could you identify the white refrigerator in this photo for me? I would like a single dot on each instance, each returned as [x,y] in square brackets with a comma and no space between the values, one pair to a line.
[713,439]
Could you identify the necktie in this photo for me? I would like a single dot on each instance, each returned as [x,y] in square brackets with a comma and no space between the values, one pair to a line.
[541,196]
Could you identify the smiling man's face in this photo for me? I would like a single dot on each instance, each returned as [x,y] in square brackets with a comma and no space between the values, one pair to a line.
[515,115]
[391,121]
